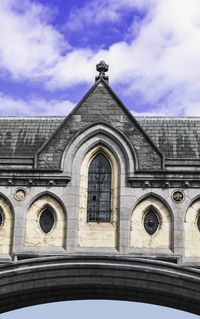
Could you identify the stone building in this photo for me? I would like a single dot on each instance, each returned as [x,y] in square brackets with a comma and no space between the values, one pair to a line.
[100,181]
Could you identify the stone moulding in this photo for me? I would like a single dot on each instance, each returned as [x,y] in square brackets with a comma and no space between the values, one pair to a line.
[57,278]
[103,131]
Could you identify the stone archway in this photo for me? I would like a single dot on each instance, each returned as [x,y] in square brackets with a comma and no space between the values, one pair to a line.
[51,279]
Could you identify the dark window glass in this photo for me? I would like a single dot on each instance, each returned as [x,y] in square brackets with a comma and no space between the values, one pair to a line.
[151,222]
[46,220]
[198,222]
[99,190]
[1,219]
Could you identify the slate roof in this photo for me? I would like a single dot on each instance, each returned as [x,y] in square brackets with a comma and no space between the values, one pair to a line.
[23,135]
[176,137]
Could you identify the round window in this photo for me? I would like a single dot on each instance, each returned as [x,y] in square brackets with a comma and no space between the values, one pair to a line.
[46,220]
[151,222]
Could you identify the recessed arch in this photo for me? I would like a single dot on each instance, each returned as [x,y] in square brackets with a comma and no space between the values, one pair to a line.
[103,132]
[191,231]
[6,227]
[189,203]
[140,238]
[95,234]
[159,197]
[34,234]
[53,195]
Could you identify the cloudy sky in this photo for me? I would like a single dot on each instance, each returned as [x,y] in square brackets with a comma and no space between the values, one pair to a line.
[49,50]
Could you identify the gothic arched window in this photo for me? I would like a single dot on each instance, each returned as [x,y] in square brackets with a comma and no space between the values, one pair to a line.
[99,190]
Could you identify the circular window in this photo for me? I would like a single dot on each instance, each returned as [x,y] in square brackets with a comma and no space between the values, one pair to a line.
[46,220]
[151,222]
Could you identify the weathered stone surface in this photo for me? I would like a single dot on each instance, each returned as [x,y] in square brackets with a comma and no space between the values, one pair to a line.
[71,278]
[101,105]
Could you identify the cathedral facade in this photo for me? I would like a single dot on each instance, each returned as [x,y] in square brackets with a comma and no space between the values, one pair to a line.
[100,182]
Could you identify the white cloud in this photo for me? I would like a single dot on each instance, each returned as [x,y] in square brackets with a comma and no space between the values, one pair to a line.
[29,45]
[33,106]
[99,11]
[161,62]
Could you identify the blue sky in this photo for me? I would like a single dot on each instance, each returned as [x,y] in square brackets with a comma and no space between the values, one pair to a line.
[49,50]
[48,53]
[98,309]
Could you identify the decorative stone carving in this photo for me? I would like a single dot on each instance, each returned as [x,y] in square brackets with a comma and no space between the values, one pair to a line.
[178,196]
[20,194]
[102,67]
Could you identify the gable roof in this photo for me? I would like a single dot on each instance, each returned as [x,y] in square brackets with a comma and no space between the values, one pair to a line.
[176,137]
[98,83]
[100,104]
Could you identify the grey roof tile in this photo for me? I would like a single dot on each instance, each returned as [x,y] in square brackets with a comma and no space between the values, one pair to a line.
[22,136]
[176,137]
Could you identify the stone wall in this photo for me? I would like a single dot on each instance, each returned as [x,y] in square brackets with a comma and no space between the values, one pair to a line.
[100,106]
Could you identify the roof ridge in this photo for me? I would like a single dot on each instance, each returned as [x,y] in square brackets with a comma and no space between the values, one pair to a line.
[171,118]
[10,117]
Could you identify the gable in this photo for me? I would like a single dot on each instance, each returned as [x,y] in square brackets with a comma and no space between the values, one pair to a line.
[100,105]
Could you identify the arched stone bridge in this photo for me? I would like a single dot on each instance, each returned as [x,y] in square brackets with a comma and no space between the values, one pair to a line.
[43,280]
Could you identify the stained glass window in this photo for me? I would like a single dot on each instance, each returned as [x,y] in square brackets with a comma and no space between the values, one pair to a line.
[46,220]
[99,190]
[151,222]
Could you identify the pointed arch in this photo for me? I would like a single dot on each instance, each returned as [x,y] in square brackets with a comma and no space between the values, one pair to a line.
[104,133]
[34,234]
[99,189]
[6,226]
[98,233]
[140,238]
[192,232]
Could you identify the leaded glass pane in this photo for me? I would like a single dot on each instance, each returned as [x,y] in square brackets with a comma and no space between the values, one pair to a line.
[151,222]
[99,190]
[198,222]
[1,219]
[46,220]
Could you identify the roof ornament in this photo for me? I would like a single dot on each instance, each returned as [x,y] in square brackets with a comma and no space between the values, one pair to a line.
[102,67]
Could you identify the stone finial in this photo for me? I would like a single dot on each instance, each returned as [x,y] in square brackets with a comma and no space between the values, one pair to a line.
[102,67]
